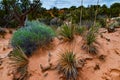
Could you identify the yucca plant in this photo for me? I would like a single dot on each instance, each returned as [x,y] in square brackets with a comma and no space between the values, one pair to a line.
[18,58]
[31,36]
[68,65]
[20,62]
[67,32]
[80,30]
[91,39]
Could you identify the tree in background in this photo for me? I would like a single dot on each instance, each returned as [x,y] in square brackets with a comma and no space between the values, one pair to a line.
[17,10]
[14,12]
[115,9]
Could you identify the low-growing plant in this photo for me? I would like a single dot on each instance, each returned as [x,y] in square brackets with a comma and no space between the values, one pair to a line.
[91,35]
[80,30]
[18,58]
[20,62]
[67,32]
[68,65]
[90,39]
[32,36]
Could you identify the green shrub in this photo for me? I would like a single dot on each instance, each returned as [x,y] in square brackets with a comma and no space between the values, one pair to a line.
[67,32]
[68,65]
[33,35]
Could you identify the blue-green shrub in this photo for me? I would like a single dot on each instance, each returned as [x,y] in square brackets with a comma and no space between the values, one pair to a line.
[31,36]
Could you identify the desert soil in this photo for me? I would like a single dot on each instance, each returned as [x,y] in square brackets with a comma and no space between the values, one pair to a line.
[95,67]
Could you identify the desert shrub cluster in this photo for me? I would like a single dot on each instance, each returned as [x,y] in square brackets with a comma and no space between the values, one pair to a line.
[31,36]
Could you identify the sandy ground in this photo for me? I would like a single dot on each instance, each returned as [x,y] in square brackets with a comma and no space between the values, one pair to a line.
[109,68]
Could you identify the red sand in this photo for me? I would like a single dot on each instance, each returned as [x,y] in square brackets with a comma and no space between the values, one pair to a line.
[109,69]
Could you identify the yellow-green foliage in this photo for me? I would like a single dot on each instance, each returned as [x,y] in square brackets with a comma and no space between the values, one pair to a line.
[18,58]
[68,65]
[20,62]
[80,30]
[91,38]
[67,32]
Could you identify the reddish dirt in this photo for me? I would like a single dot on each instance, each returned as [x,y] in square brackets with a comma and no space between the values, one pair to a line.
[109,69]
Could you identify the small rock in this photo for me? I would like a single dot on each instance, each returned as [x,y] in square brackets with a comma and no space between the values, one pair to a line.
[81,63]
[117,51]
[111,29]
[89,58]
[97,67]
[108,39]
[45,75]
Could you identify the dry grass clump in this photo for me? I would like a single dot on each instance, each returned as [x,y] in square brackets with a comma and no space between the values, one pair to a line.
[68,65]
[19,61]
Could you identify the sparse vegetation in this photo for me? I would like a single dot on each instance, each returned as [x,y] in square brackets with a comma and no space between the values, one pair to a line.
[29,45]
[33,35]
[67,32]
[80,30]
[20,62]
[91,39]
[68,65]
[18,58]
